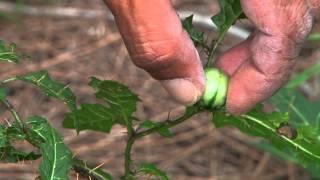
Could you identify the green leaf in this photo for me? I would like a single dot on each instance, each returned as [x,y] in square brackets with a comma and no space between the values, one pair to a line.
[8,53]
[50,87]
[8,153]
[230,11]
[3,137]
[116,95]
[301,111]
[257,123]
[304,116]
[120,105]
[56,157]
[148,168]
[3,93]
[196,36]
[93,117]
[302,77]
[11,155]
[165,132]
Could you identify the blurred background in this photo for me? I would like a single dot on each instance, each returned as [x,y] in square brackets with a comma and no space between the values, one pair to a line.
[75,40]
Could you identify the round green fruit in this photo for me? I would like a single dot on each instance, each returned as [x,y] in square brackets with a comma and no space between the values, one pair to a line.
[216,88]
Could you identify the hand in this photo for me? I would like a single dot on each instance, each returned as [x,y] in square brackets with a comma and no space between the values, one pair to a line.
[258,66]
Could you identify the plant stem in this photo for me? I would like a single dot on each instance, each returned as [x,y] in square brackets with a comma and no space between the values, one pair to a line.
[9,80]
[314,37]
[83,169]
[13,112]
[127,157]
[213,50]
[190,111]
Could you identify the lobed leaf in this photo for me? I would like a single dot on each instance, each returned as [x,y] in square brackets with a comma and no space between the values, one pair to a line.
[93,117]
[56,157]
[50,87]
[230,11]
[8,153]
[196,36]
[120,105]
[117,95]
[257,123]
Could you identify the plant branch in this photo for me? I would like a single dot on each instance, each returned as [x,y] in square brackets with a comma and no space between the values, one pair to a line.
[213,50]
[14,113]
[85,170]
[190,111]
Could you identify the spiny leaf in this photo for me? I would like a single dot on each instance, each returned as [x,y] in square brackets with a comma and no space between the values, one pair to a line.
[93,117]
[11,155]
[259,124]
[121,104]
[8,153]
[165,132]
[8,53]
[116,95]
[50,87]
[302,111]
[230,11]
[56,157]
[152,169]
[196,36]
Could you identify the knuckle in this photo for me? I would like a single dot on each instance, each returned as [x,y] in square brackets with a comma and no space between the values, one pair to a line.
[155,54]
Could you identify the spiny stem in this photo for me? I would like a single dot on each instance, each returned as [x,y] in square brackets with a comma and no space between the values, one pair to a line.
[213,50]
[85,170]
[190,111]
[13,112]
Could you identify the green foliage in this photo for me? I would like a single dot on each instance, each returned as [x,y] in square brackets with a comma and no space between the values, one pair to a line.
[196,36]
[148,124]
[118,96]
[230,12]
[95,117]
[3,93]
[304,76]
[121,104]
[50,87]
[257,123]
[56,157]
[151,169]
[8,53]
[296,115]
[8,153]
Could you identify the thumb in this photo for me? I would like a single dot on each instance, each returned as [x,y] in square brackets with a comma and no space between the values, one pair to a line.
[157,43]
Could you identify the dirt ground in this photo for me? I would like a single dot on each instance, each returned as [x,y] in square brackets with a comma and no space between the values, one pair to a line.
[74,49]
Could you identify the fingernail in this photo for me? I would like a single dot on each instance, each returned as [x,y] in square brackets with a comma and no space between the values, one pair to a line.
[182,90]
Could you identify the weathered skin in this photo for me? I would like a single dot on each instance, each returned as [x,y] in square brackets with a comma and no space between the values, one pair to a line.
[258,66]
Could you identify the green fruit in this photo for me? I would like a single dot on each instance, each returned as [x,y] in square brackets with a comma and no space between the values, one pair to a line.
[216,88]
